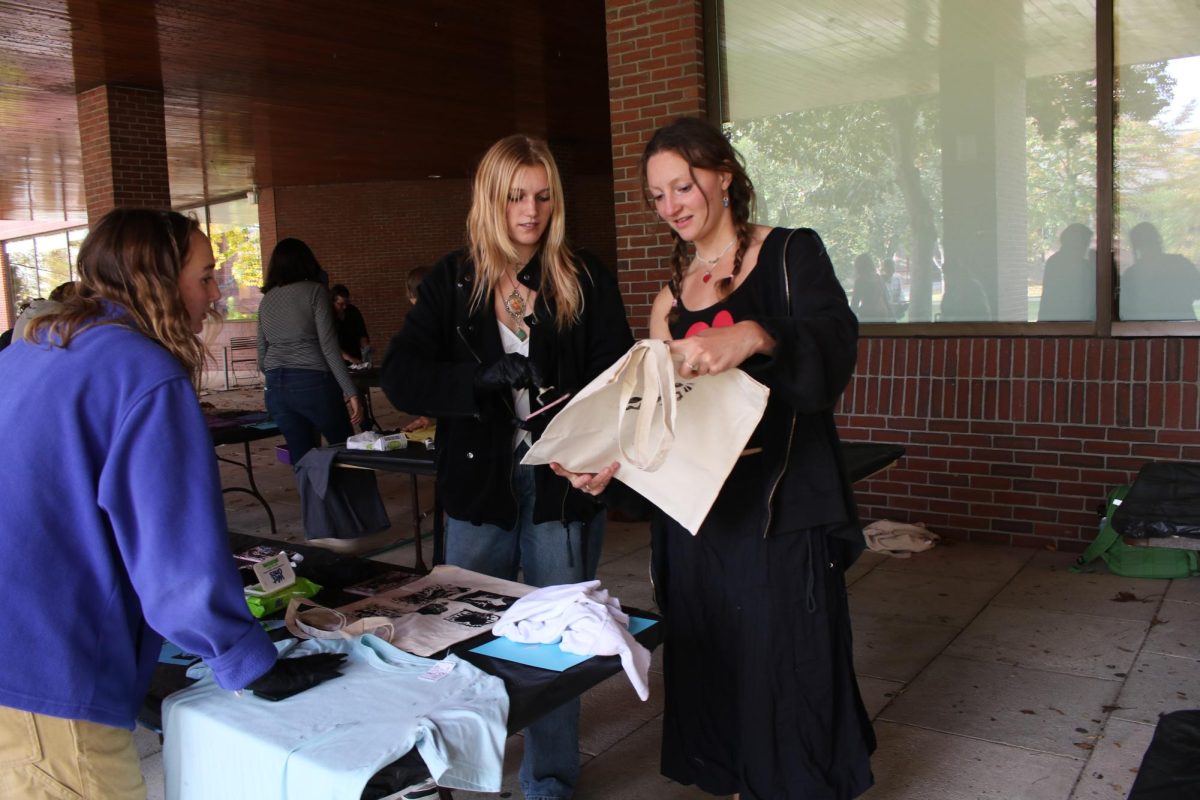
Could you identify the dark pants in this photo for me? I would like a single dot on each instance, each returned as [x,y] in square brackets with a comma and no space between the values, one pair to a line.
[306,404]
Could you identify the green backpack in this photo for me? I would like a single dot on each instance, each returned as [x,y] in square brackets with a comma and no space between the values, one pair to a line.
[1131,561]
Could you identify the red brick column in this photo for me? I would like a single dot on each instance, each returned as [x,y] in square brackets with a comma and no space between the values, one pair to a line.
[124,143]
[655,74]
[7,315]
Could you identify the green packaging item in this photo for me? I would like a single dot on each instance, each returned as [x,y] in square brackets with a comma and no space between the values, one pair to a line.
[262,605]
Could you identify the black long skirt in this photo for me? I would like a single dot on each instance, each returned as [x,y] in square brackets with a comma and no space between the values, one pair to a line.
[761,696]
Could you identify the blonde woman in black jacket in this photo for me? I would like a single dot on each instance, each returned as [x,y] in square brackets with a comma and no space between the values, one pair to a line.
[500,328]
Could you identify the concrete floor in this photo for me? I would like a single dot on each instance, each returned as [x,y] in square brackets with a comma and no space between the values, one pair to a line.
[990,672]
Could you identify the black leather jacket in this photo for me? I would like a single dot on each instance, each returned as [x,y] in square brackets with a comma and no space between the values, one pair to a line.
[430,369]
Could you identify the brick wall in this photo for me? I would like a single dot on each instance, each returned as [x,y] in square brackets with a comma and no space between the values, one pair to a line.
[369,235]
[1018,440]
[655,74]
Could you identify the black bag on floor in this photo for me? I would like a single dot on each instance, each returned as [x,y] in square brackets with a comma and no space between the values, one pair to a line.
[1164,501]
[1171,766]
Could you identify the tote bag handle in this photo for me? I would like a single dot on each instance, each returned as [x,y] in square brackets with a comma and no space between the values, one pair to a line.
[648,368]
[342,628]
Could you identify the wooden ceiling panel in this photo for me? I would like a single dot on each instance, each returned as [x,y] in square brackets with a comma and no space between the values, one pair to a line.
[279,93]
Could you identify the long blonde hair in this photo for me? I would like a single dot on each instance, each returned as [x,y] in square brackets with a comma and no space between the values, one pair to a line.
[487,228]
[131,258]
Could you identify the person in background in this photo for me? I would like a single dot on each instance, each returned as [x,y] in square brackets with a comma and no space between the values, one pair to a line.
[761,696]
[412,282]
[308,387]
[895,288]
[39,306]
[351,327]
[117,538]
[1159,285]
[354,342]
[500,327]
[869,301]
[1069,278]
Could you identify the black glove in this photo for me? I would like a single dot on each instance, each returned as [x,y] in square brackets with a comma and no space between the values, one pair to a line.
[292,676]
[512,371]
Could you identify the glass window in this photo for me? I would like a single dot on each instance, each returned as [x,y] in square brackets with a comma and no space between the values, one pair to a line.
[1156,162]
[54,263]
[39,264]
[23,263]
[946,152]
[233,228]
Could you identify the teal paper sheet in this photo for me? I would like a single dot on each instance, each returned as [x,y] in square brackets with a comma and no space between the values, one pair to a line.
[546,656]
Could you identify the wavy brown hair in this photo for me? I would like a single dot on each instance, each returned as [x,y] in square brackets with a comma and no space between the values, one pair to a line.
[487,227]
[131,258]
[703,146]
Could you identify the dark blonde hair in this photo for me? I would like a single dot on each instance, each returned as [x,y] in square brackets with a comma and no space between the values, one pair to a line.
[131,258]
[703,146]
[487,227]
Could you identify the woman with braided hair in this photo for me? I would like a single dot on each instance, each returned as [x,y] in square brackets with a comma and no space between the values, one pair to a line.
[761,698]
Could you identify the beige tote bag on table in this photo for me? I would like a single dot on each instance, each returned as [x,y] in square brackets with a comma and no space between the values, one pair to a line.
[676,440]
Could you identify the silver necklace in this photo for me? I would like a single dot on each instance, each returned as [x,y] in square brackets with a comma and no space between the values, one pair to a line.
[712,262]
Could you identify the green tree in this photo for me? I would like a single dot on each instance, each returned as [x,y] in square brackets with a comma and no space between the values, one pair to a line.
[239,255]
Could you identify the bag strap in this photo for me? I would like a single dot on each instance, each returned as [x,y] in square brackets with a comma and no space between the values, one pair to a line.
[343,628]
[1104,540]
[649,370]
[1107,537]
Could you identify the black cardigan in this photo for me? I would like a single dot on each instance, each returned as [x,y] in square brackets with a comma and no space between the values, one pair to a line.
[430,369]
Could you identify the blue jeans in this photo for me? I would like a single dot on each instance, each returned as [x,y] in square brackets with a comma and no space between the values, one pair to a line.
[306,404]
[546,554]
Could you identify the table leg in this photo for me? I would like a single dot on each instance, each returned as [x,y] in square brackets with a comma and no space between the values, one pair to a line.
[369,410]
[419,561]
[253,491]
[439,529]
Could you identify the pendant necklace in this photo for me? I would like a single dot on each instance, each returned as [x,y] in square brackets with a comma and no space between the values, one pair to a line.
[516,307]
[712,262]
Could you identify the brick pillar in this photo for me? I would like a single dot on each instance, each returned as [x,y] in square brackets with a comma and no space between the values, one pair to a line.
[268,225]
[655,74]
[124,143]
[7,312]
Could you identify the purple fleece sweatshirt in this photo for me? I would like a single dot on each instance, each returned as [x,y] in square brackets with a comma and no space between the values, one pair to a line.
[112,530]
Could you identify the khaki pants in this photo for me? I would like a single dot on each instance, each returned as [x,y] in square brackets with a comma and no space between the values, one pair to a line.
[43,757]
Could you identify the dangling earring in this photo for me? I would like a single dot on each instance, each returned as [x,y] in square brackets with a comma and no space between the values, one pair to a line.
[725,201]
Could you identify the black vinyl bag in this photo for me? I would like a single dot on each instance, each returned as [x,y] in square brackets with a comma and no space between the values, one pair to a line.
[1164,501]
[1170,768]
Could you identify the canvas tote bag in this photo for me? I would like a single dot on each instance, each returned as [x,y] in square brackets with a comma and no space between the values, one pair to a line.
[676,440]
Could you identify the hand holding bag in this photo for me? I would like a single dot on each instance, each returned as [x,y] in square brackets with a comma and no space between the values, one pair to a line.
[676,440]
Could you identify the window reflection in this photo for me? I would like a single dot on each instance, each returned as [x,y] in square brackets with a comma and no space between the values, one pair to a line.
[1157,160]
[952,143]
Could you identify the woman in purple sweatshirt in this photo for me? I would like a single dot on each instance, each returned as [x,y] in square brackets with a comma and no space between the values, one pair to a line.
[112,527]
